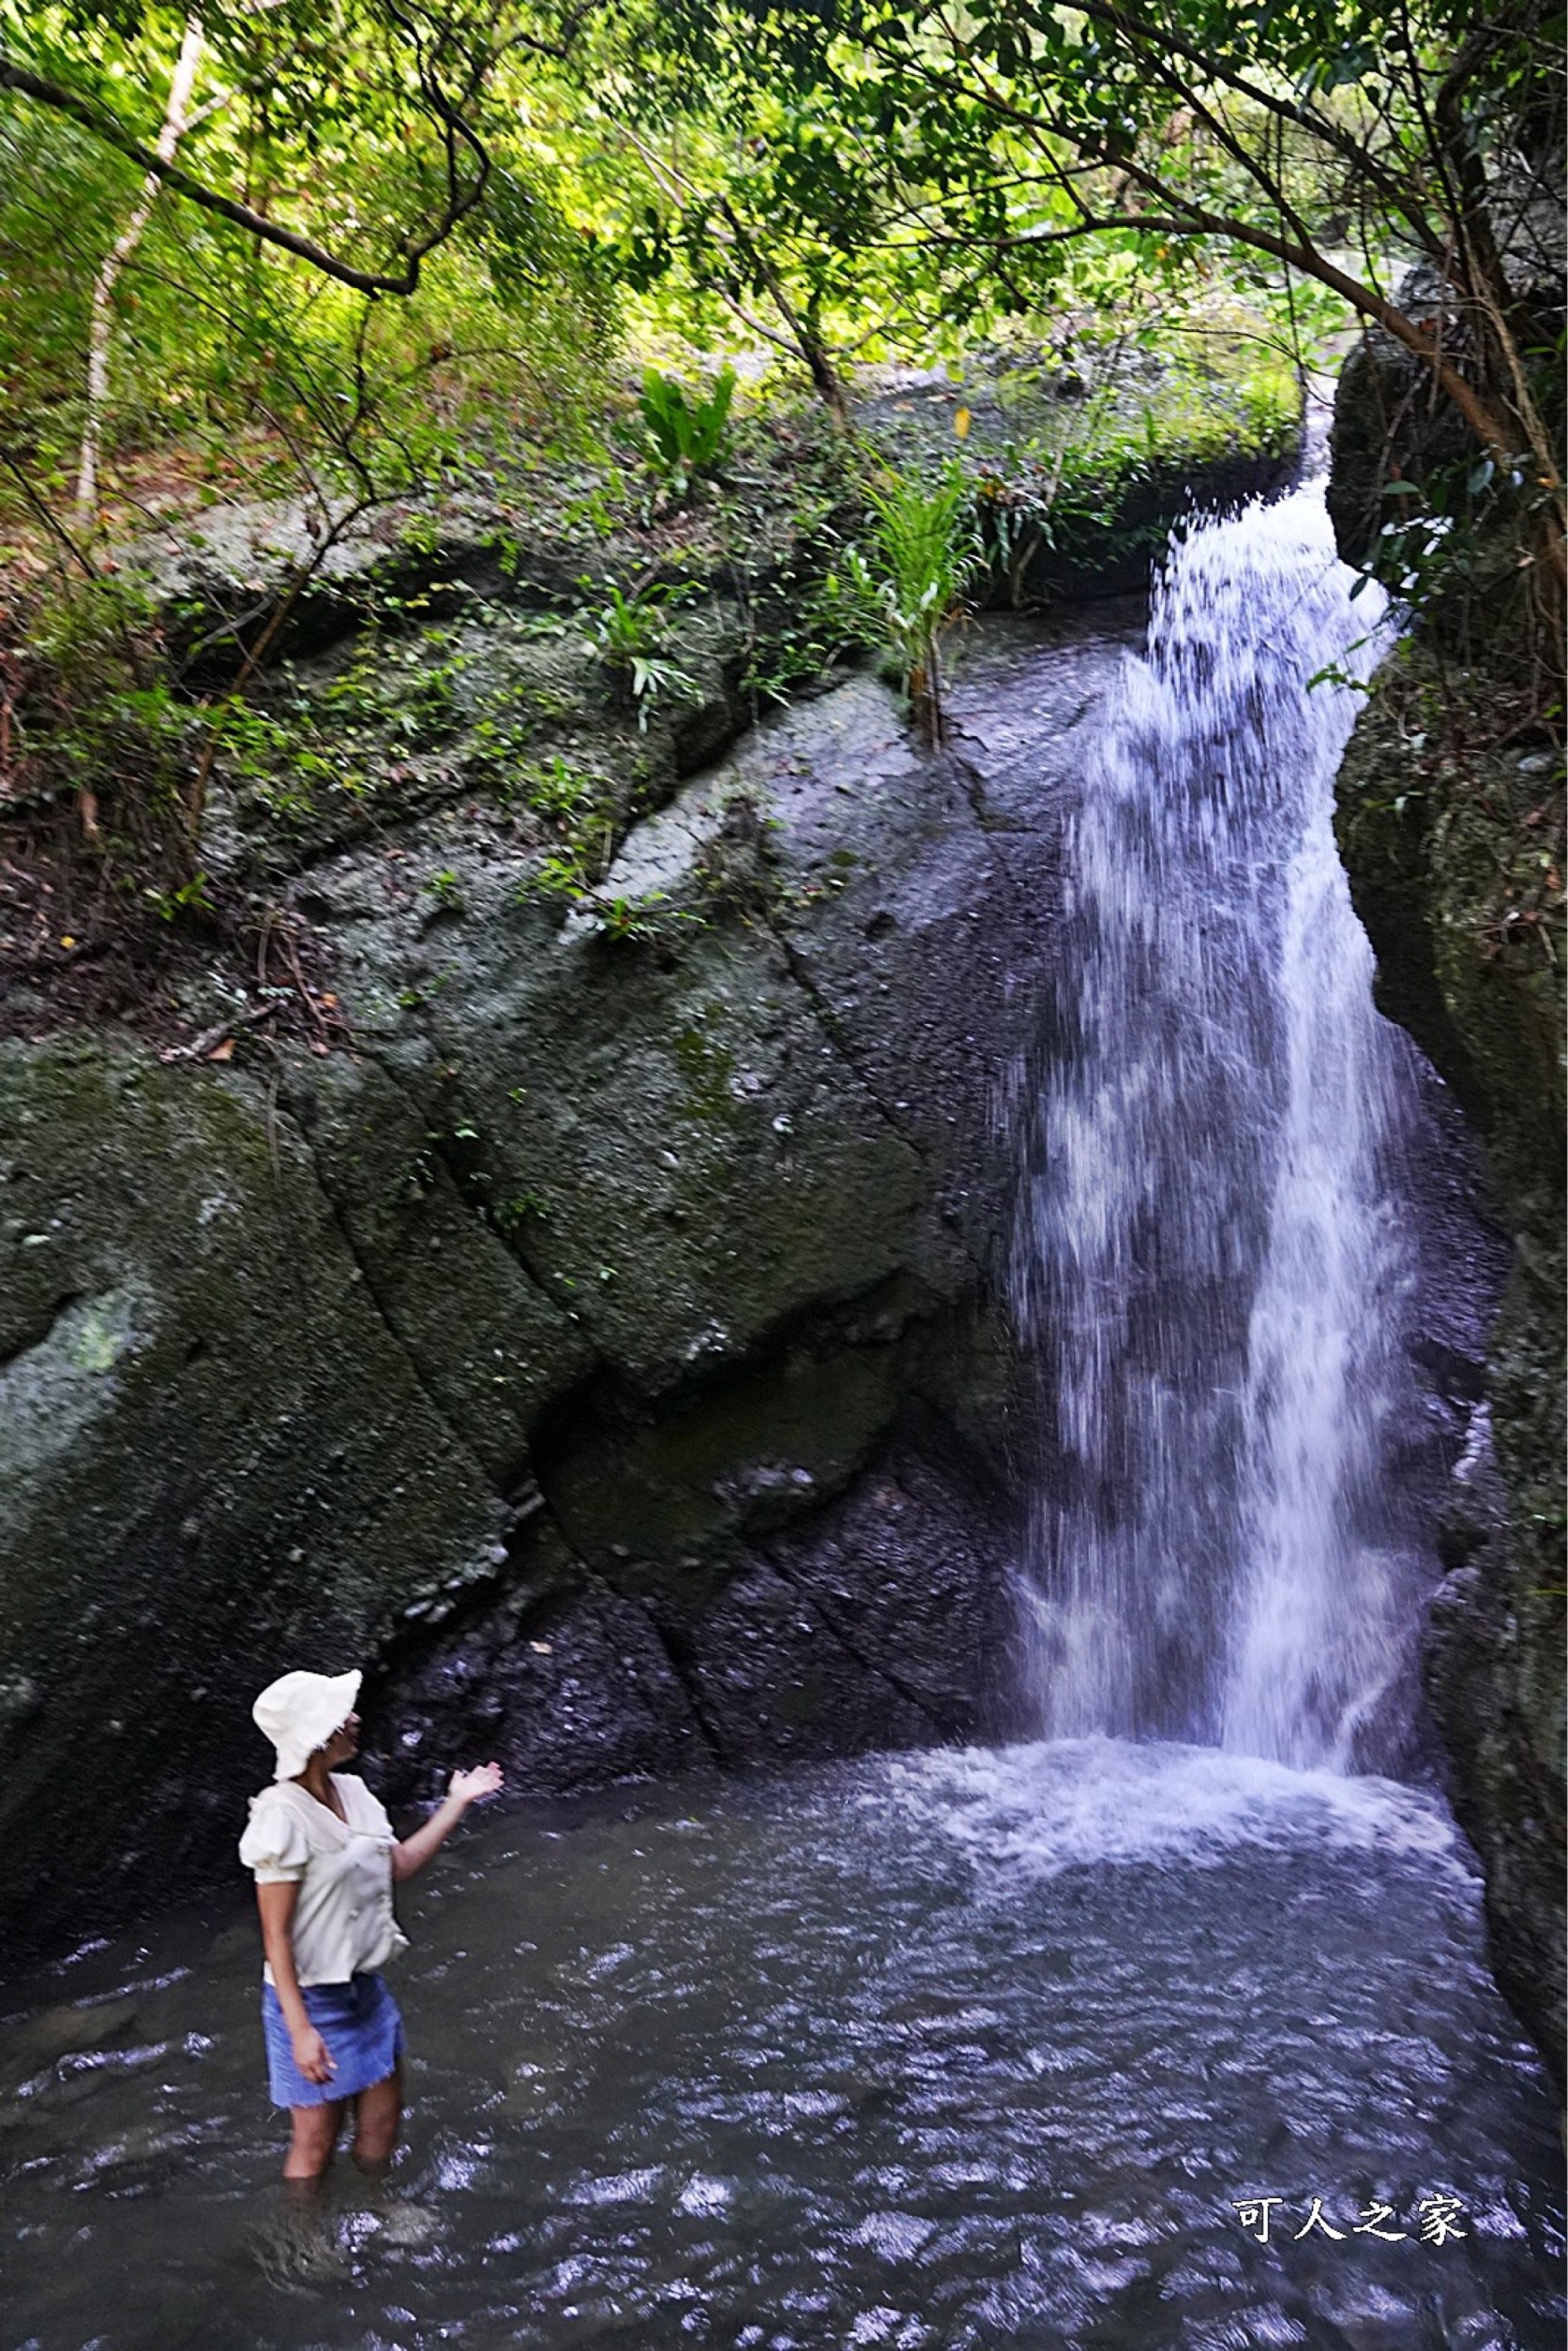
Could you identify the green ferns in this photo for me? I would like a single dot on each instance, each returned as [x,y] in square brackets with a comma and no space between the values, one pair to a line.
[628,633]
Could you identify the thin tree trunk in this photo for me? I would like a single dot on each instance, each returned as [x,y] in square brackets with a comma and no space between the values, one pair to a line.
[175,116]
[803,329]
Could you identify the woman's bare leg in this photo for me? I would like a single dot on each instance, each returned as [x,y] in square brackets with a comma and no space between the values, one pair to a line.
[377,2113]
[315,2135]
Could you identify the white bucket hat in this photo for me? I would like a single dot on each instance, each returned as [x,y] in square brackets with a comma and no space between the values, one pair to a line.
[299,1712]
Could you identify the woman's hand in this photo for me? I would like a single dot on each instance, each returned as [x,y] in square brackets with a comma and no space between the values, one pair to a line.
[469,1786]
[312,2055]
[463,1788]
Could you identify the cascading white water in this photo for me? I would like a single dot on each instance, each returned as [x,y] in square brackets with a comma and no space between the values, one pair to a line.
[1206,1255]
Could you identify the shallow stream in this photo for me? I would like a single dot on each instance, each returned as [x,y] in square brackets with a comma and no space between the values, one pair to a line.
[960,2049]
[1106,2044]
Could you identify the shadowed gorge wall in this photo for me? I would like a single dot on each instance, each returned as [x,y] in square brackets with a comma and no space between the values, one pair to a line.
[1450,824]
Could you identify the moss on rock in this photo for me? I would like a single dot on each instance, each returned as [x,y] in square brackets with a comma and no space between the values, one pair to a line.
[1453,842]
[545,1351]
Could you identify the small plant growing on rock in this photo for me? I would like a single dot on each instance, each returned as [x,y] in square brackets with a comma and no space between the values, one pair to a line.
[513,1215]
[557,790]
[684,434]
[649,916]
[628,634]
[829,614]
[565,880]
[563,876]
[925,552]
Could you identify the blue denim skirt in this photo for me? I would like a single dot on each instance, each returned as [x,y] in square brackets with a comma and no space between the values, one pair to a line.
[362,2030]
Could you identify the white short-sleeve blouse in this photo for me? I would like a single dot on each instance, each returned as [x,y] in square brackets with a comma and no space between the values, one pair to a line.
[342,1923]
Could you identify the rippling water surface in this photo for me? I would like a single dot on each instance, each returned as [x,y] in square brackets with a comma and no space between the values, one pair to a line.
[970,2049]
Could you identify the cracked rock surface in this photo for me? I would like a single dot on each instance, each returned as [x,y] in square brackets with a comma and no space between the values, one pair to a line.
[610,1351]
[1424,866]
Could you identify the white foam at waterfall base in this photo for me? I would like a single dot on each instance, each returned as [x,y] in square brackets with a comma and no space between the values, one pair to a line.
[1064,1803]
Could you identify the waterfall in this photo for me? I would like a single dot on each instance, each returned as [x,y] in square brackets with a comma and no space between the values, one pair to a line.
[1208,1258]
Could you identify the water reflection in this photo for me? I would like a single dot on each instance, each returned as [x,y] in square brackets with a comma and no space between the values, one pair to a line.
[890,2052]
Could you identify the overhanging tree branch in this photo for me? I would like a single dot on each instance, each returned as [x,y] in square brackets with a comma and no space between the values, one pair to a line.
[1504,426]
[461,196]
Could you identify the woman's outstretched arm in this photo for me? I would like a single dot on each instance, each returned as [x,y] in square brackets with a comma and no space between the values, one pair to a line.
[465,1788]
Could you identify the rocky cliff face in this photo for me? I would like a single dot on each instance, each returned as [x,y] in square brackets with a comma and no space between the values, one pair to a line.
[1451,824]
[604,1348]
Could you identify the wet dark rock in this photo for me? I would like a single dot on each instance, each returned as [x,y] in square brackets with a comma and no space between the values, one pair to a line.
[1386,424]
[1111,557]
[1440,860]
[1449,820]
[563,1680]
[550,1351]
[1399,448]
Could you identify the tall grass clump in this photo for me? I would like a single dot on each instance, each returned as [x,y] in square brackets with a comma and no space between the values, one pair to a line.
[925,550]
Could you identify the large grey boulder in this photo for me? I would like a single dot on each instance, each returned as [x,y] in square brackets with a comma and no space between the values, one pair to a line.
[608,1350]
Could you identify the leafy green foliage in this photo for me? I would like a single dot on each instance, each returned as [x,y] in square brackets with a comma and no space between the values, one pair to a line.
[318,742]
[629,633]
[271,376]
[925,553]
[1018,156]
[834,614]
[403,248]
[685,435]
[514,1217]
[1448,548]
[566,880]
[93,727]
[400,103]
[559,791]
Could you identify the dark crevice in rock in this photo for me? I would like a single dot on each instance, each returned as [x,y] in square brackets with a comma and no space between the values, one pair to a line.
[447,1612]
[38,1330]
[877,1667]
[973,785]
[833,1029]
[468,1184]
[551,1670]
[389,1320]
[472,1187]
[681,1665]
[607,1400]
[414,805]
[427,1625]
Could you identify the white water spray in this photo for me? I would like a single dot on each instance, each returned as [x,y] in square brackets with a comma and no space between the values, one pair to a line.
[1206,1253]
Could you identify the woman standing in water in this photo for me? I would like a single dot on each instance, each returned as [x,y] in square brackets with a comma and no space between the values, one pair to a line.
[325,1861]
